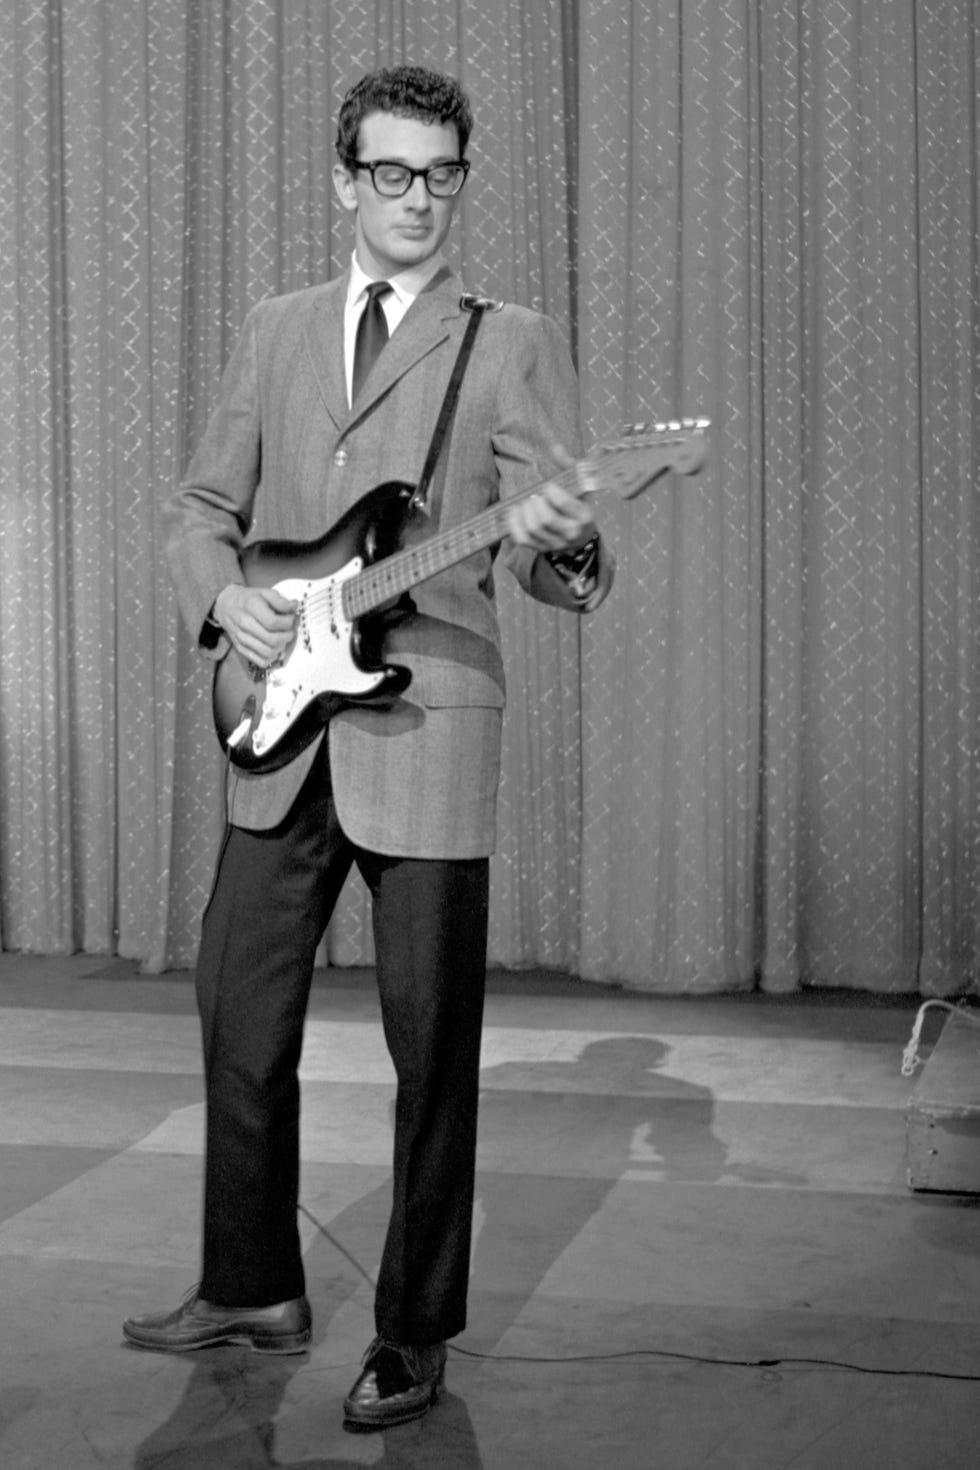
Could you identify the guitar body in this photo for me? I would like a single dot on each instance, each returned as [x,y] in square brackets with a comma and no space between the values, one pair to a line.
[265,717]
[348,584]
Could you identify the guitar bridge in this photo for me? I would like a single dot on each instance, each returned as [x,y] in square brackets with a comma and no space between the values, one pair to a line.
[303,625]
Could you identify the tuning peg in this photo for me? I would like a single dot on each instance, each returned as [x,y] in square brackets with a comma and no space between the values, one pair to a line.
[670,426]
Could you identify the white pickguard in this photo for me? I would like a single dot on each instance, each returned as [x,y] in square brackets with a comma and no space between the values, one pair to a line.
[319,662]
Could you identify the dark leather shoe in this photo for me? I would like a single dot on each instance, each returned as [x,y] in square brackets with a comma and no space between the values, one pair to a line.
[396,1384]
[284,1328]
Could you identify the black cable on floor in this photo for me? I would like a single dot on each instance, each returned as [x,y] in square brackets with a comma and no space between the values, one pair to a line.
[666,1353]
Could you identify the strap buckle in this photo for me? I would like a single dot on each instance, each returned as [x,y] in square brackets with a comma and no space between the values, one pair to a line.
[472,301]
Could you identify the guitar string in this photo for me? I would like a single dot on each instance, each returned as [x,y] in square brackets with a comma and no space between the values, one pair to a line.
[356,593]
[361,592]
[394,574]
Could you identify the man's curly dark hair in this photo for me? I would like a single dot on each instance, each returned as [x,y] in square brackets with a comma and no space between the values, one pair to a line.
[409,91]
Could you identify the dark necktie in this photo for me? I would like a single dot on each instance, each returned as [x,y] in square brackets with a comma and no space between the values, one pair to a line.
[372,334]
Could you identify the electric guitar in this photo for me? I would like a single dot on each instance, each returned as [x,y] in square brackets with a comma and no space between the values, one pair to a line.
[264,717]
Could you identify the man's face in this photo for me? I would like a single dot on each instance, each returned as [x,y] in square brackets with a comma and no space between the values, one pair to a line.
[391,235]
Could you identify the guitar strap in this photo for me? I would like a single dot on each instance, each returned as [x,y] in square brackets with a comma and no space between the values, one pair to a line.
[476,306]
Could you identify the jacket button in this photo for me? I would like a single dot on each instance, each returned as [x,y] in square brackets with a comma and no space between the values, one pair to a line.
[340,458]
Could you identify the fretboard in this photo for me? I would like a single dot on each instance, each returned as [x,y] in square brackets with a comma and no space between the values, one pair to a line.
[389,578]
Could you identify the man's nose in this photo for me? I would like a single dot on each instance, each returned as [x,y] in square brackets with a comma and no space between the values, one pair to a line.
[418,194]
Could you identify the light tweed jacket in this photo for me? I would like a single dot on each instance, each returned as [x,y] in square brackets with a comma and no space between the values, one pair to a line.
[284,456]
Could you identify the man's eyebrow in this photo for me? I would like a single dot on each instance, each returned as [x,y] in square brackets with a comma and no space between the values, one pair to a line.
[406,163]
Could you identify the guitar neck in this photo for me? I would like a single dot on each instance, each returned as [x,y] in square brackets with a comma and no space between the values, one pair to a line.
[388,579]
[626,467]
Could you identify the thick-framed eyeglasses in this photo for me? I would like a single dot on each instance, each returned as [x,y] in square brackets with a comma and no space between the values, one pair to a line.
[392,180]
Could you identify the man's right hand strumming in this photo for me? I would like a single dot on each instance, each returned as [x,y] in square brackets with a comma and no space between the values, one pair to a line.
[260,622]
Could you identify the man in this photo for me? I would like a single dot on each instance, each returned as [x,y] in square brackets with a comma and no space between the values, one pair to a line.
[407,789]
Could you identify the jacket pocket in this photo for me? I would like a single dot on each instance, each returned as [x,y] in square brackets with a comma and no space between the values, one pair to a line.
[446,685]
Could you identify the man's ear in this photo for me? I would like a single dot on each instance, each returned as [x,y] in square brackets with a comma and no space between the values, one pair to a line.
[343,183]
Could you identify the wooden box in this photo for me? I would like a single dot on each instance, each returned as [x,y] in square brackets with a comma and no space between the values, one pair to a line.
[943,1116]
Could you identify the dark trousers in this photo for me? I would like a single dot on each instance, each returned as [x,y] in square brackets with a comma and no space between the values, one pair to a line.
[273,895]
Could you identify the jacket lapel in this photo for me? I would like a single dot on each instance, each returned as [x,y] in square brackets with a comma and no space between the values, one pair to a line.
[325,337]
[426,323]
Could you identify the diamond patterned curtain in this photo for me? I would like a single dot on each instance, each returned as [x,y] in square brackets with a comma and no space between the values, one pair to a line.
[759,762]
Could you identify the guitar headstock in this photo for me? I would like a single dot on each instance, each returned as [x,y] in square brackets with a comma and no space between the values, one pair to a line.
[646,451]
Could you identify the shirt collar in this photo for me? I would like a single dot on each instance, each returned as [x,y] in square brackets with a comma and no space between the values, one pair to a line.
[406,284]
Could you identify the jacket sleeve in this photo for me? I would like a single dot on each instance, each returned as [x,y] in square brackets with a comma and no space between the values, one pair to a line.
[538,408]
[207,517]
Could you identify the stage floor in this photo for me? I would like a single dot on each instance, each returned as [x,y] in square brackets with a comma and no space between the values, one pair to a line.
[695,1244]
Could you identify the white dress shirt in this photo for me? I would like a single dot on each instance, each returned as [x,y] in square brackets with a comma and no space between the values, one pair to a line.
[405,286]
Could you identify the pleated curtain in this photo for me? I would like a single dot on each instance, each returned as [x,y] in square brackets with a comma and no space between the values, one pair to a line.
[758,763]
